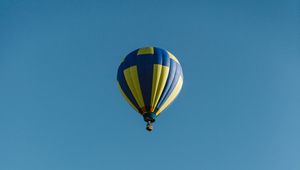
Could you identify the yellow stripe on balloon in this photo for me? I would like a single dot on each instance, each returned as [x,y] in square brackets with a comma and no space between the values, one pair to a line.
[146,50]
[132,79]
[160,75]
[173,95]
[155,81]
[172,57]
[126,98]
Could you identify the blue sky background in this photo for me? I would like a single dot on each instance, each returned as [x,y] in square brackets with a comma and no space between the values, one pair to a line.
[60,108]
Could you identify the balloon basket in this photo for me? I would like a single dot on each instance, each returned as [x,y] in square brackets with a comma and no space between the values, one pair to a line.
[149,126]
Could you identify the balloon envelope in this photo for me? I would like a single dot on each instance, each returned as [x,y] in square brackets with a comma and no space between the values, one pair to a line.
[149,79]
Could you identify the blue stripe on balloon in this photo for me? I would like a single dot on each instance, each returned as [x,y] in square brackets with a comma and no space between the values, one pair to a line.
[163,56]
[145,73]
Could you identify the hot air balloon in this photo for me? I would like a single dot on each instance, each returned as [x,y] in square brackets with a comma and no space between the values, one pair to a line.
[150,79]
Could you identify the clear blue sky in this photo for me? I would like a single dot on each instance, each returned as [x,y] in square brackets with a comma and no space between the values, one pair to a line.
[60,108]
